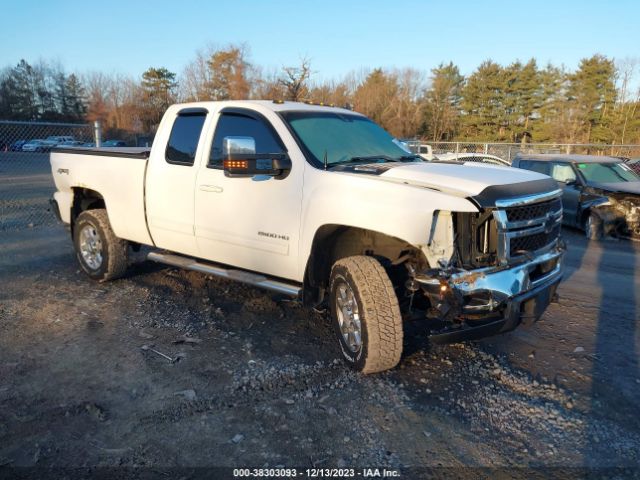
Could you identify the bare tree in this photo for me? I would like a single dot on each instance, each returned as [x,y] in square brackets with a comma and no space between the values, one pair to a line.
[294,80]
[627,103]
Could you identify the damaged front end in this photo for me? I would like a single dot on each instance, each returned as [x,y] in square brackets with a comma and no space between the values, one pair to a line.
[495,269]
[620,215]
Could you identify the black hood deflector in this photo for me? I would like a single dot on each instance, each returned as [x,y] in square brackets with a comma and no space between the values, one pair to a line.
[487,198]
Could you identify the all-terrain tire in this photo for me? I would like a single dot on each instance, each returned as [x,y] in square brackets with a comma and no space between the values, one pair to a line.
[113,258]
[593,227]
[378,312]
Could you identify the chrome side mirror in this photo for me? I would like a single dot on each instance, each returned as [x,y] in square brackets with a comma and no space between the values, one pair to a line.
[238,146]
[240,159]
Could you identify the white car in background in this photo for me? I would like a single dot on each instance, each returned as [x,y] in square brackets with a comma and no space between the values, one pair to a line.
[60,139]
[426,152]
[471,157]
[38,145]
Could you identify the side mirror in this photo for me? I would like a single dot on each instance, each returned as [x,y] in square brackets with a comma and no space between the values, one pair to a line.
[571,182]
[238,146]
[240,159]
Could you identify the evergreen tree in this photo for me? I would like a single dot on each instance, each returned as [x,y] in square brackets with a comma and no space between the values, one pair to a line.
[75,101]
[158,92]
[23,92]
[522,98]
[483,103]
[551,112]
[592,94]
[442,102]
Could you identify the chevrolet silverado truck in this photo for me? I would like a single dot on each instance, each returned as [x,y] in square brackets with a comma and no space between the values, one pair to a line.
[322,204]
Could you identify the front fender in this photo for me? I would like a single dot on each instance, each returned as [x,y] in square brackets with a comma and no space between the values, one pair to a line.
[401,211]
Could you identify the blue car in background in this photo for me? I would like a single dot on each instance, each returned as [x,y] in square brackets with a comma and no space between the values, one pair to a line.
[17,146]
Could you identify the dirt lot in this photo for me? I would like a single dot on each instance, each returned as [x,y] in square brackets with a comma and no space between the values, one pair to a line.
[257,381]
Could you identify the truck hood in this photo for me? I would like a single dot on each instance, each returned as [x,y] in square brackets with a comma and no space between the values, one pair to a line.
[482,182]
[618,187]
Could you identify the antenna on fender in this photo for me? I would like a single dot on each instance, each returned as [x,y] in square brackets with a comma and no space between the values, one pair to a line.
[326,164]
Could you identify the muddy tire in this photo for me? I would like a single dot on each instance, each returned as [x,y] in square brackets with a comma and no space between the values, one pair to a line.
[101,254]
[593,227]
[365,314]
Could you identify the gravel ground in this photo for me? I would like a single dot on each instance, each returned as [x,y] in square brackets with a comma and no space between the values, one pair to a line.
[254,380]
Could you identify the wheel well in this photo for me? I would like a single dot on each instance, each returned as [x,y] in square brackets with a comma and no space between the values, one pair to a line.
[85,199]
[333,242]
[583,218]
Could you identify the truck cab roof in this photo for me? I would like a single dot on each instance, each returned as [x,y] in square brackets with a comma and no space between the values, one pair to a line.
[273,105]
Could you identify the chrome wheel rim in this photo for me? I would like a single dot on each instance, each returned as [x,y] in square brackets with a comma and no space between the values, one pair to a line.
[589,227]
[91,247]
[348,316]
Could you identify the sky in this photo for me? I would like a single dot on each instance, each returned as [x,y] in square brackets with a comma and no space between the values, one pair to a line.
[118,36]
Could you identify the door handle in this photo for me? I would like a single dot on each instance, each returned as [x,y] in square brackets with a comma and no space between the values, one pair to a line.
[211,188]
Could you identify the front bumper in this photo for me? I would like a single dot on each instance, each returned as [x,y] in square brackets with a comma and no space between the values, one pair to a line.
[495,299]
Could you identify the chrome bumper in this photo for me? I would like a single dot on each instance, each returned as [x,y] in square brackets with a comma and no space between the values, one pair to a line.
[509,297]
[497,285]
[504,284]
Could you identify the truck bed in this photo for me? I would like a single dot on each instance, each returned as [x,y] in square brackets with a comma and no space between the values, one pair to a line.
[125,152]
[116,174]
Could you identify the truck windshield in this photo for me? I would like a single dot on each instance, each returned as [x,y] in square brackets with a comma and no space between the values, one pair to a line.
[344,138]
[607,173]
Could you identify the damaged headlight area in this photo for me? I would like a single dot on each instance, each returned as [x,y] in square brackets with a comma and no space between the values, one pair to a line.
[620,215]
[490,270]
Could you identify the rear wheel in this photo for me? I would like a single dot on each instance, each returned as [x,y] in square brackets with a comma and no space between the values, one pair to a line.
[101,254]
[365,313]
[593,227]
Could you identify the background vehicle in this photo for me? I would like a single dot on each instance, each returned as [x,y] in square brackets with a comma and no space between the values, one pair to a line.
[471,157]
[321,203]
[59,139]
[600,194]
[634,164]
[114,143]
[38,145]
[426,152]
[71,143]
[17,145]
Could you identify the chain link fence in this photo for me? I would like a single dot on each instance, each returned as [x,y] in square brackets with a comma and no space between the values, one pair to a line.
[26,183]
[507,151]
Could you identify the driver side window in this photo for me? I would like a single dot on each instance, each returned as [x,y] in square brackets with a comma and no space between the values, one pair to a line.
[238,125]
[563,172]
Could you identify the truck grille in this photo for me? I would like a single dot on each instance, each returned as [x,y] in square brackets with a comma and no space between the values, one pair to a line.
[531,243]
[537,210]
[528,227]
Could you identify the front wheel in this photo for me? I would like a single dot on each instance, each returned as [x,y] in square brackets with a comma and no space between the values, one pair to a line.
[101,254]
[593,228]
[365,314]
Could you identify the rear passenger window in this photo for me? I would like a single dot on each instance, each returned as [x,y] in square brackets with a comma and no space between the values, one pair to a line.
[540,167]
[184,138]
[236,125]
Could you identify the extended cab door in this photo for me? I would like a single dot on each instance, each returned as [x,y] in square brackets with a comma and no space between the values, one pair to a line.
[249,222]
[171,177]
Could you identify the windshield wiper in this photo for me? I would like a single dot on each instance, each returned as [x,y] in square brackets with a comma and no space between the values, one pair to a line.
[413,156]
[364,159]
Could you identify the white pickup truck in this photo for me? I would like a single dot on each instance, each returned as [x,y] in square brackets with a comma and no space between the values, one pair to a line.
[322,204]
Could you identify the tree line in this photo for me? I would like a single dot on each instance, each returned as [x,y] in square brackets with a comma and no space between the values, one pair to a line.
[596,103]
